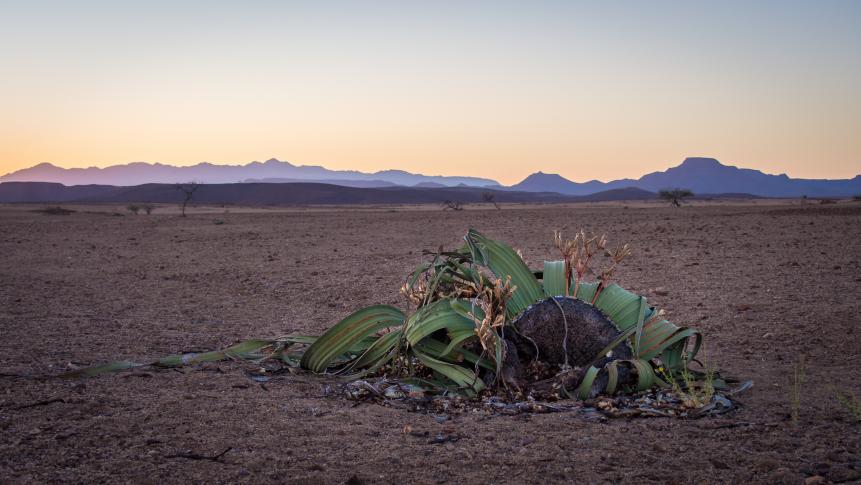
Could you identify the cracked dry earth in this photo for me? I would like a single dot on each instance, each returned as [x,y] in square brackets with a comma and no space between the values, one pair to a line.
[767,284]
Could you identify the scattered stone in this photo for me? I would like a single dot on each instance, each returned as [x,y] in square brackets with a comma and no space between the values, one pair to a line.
[765,465]
[784,475]
[354,480]
[843,474]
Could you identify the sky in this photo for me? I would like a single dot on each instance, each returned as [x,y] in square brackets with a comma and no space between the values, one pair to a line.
[589,90]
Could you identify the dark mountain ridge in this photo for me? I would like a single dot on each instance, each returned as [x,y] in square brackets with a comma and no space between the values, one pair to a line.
[257,194]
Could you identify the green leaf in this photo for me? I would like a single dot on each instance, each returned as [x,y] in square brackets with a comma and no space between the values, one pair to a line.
[467,307]
[585,387]
[503,262]
[338,339]
[554,278]
[249,349]
[620,305]
[612,377]
[378,353]
[462,377]
[245,350]
[586,291]
[646,377]
[439,350]
[438,315]
[457,337]
[641,318]
[664,338]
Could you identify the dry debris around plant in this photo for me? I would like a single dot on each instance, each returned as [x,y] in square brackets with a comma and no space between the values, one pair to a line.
[655,402]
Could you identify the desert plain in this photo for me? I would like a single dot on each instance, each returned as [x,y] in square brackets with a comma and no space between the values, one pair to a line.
[773,285]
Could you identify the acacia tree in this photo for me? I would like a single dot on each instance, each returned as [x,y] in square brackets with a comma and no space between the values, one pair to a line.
[188,191]
[675,196]
[490,197]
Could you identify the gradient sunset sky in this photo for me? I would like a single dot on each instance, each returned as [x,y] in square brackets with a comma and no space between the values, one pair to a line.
[589,90]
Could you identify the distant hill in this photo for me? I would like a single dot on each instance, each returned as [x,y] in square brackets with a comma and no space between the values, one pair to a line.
[50,192]
[540,182]
[256,194]
[702,176]
[140,172]
[343,183]
[627,193]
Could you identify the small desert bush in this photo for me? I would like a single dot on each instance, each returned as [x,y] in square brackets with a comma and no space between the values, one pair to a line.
[134,209]
[850,402]
[694,391]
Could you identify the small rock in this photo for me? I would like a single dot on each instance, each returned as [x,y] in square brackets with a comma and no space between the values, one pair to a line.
[842,474]
[354,480]
[765,465]
[836,455]
[767,335]
[814,480]
[784,475]
[661,291]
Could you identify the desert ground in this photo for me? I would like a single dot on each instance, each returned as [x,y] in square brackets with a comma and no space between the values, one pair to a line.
[770,284]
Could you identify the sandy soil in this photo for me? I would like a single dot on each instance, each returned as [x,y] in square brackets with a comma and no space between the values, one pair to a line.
[768,284]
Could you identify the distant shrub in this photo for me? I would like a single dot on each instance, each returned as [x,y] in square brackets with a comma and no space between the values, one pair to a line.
[134,209]
[850,403]
[490,198]
[188,191]
[827,201]
[55,211]
[675,196]
[455,205]
[148,208]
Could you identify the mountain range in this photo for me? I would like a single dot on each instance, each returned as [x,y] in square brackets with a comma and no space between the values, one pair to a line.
[701,175]
[272,170]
